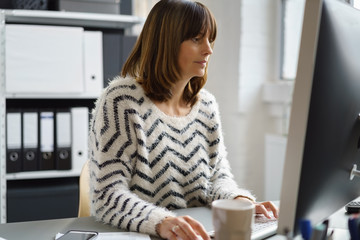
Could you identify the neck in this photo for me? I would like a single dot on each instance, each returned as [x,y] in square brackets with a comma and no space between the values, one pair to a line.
[176,105]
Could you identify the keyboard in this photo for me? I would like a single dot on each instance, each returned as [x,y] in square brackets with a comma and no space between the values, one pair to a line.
[263,227]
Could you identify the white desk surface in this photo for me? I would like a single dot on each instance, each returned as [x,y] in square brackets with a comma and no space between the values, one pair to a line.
[47,229]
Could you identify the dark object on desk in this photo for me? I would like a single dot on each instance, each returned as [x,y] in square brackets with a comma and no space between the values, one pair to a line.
[78,235]
[353,225]
[352,207]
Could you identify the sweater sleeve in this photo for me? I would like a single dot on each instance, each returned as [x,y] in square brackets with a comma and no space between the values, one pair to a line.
[223,185]
[112,152]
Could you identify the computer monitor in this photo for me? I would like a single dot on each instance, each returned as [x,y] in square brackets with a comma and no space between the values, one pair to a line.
[324,130]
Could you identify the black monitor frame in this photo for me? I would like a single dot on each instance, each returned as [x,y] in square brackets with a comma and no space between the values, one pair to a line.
[324,131]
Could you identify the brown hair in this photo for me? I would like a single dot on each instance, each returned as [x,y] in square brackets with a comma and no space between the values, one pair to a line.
[154,59]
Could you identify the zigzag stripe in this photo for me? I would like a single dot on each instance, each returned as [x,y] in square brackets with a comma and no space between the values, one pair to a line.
[122,210]
[174,152]
[121,98]
[112,208]
[165,168]
[157,121]
[191,201]
[131,87]
[106,204]
[127,127]
[185,173]
[172,193]
[105,120]
[110,142]
[173,206]
[206,103]
[112,161]
[143,220]
[164,184]
[148,133]
[133,219]
[211,116]
[116,119]
[109,175]
[106,188]
[184,129]
[128,214]
[151,129]
[165,135]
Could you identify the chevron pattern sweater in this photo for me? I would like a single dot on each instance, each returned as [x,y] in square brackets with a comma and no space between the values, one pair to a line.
[143,163]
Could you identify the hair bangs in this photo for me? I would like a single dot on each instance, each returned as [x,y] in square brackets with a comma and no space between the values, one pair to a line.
[199,21]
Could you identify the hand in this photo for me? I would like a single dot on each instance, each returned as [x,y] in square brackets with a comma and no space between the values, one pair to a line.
[263,207]
[183,227]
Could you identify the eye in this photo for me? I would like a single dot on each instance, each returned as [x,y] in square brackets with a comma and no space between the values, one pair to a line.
[196,39]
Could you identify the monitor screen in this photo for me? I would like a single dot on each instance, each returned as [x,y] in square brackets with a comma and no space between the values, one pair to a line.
[324,131]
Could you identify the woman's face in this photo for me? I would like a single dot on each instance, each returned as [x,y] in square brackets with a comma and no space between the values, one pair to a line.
[194,55]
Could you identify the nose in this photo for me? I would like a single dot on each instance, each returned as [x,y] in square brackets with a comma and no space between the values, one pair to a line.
[207,50]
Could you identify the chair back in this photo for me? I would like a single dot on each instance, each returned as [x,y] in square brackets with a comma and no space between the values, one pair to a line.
[84,189]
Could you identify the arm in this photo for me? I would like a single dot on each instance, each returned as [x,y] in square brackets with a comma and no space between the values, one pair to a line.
[112,152]
[223,183]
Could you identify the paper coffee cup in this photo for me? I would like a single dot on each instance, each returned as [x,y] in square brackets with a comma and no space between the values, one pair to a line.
[233,219]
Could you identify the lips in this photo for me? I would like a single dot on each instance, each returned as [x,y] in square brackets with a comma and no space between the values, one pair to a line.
[202,63]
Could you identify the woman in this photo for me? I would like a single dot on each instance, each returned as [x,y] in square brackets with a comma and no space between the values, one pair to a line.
[156,141]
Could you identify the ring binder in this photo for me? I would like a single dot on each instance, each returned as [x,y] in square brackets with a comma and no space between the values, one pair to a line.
[13,136]
[47,160]
[63,139]
[30,140]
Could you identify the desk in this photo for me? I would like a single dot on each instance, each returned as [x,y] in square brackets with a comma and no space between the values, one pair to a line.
[47,229]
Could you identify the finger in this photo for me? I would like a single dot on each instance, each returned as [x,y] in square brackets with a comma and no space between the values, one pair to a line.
[179,232]
[187,231]
[171,235]
[271,207]
[197,227]
[260,208]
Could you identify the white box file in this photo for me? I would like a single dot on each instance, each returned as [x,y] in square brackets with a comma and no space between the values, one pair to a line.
[44,59]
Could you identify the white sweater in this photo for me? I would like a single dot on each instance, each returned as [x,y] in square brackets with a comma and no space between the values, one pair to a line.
[143,163]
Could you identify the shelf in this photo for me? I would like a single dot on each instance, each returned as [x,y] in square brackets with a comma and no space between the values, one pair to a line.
[42,174]
[71,18]
[110,24]
[51,96]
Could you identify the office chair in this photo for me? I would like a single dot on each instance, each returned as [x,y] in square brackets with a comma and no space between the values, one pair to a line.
[84,188]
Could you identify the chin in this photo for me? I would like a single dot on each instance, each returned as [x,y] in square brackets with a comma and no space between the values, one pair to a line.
[201,74]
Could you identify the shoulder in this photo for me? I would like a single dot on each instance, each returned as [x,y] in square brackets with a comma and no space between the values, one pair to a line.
[207,100]
[124,91]
[120,85]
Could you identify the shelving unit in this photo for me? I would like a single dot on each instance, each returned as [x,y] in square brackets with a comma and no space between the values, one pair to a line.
[106,22]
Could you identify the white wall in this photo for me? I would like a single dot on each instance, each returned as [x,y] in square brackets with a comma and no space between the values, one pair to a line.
[246,56]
